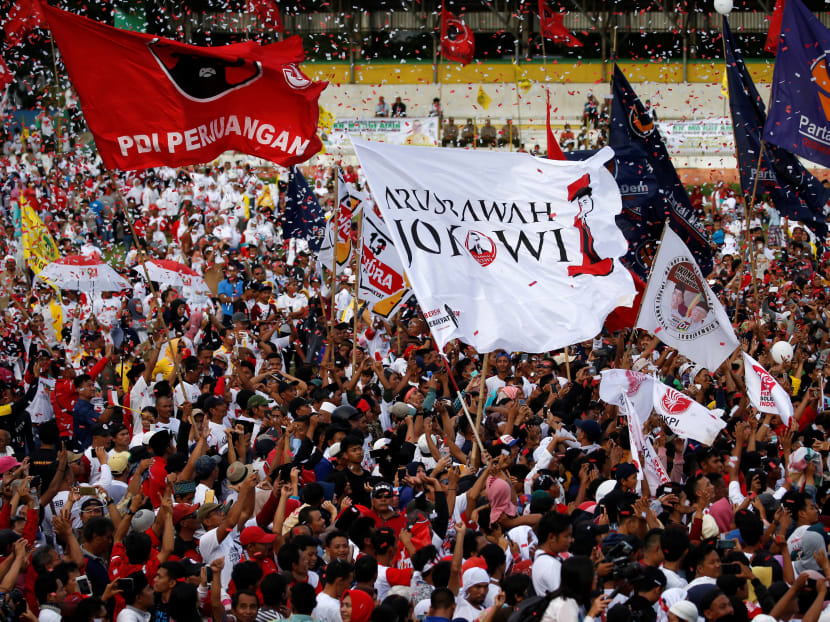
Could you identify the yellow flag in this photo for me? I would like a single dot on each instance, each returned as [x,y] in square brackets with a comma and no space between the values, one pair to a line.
[483,98]
[724,85]
[39,248]
[524,84]
[326,120]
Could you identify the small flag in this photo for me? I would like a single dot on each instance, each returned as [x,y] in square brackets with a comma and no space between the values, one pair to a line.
[774,32]
[304,217]
[483,99]
[458,42]
[724,84]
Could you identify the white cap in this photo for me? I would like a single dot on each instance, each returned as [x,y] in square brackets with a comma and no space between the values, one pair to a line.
[327,407]
[604,488]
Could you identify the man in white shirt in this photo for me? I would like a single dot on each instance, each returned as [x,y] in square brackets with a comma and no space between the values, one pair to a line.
[555,538]
[339,575]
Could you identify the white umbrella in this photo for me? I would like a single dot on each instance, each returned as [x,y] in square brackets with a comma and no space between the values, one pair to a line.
[84,274]
[176,274]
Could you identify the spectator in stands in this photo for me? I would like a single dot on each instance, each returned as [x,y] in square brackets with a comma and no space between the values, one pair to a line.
[650,110]
[583,141]
[567,140]
[435,110]
[398,108]
[382,108]
[468,134]
[449,134]
[487,135]
[590,112]
[509,134]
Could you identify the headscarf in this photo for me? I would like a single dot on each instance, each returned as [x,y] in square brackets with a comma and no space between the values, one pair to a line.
[498,491]
[362,605]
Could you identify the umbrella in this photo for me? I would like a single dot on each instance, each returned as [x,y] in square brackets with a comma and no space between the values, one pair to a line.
[168,272]
[85,274]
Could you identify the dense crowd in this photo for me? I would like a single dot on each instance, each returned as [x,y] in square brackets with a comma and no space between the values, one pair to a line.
[256,454]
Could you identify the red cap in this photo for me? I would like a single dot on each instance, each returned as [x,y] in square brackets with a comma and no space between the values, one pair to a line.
[182,511]
[252,535]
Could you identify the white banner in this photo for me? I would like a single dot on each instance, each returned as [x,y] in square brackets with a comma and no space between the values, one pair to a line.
[405,131]
[699,137]
[680,308]
[503,250]
[685,417]
[383,283]
[764,392]
[619,386]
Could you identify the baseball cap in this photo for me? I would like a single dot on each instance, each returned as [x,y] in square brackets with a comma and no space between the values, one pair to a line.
[119,462]
[590,427]
[624,469]
[257,400]
[255,535]
[237,472]
[383,488]
[401,410]
[99,429]
[239,316]
[284,386]
[205,465]
[184,510]
[206,510]
[142,521]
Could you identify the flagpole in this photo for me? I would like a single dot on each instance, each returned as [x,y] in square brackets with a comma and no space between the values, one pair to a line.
[335,216]
[482,397]
[356,286]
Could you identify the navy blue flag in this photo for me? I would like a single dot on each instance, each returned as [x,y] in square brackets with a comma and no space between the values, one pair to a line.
[304,218]
[632,125]
[643,213]
[793,191]
[799,112]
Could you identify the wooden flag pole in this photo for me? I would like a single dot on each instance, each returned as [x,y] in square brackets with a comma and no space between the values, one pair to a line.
[482,398]
[567,364]
[356,300]
[333,310]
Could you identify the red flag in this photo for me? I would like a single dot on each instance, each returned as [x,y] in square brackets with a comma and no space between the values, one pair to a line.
[774,31]
[457,41]
[165,103]
[553,26]
[24,17]
[554,151]
[626,317]
[268,13]
[6,76]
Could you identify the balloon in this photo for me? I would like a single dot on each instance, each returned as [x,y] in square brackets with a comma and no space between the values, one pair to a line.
[781,351]
[724,7]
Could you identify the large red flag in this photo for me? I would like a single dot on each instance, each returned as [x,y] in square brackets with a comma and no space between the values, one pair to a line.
[553,26]
[774,31]
[268,13]
[554,151]
[458,43]
[24,16]
[155,102]
[626,317]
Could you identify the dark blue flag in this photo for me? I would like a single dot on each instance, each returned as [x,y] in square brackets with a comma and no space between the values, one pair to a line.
[631,124]
[799,112]
[643,211]
[793,191]
[304,218]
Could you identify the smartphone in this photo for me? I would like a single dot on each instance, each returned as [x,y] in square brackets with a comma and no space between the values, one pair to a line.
[125,584]
[730,569]
[88,490]
[726,544]
[84,586]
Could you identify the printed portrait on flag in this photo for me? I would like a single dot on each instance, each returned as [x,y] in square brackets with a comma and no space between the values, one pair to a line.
[683,301]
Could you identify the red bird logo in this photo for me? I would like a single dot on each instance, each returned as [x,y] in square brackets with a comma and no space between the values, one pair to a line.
[675,403]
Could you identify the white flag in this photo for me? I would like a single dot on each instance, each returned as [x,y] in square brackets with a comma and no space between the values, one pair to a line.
[503,250]
[619,385]
[383,283]
[649,465]
[686,417]
[764,391]
[680,308]
[337,239]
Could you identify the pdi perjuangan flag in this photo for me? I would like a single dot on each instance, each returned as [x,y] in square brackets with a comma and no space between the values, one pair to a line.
[794,192]
[150,101]
[383,283]
[681,309]
[764,392]
[503,250]
[632,124]
[686,417]
[799,113]
[304,218]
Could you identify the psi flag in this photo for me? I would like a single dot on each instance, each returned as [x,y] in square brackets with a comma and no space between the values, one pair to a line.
[680,308]
[799,113]
[383,283]
[164,103]
[764,392]
[686,417]
[503,250]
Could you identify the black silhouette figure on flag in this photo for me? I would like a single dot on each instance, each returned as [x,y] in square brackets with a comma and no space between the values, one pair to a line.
[592,263]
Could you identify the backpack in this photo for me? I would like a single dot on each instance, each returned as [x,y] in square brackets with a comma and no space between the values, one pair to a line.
[532,609]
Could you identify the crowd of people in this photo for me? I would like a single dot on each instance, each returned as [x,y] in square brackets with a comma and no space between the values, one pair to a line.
[256,454]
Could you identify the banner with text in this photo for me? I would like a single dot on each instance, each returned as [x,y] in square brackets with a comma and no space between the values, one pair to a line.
[421,132]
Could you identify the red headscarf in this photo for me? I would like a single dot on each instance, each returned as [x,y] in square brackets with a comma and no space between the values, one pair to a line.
[362,605]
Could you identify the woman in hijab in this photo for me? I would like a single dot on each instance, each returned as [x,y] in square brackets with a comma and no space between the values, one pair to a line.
[135,321]
[356,606]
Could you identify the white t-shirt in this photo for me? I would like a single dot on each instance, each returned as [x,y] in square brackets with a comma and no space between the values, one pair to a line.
[546,573]
[210,549]
[327,609]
